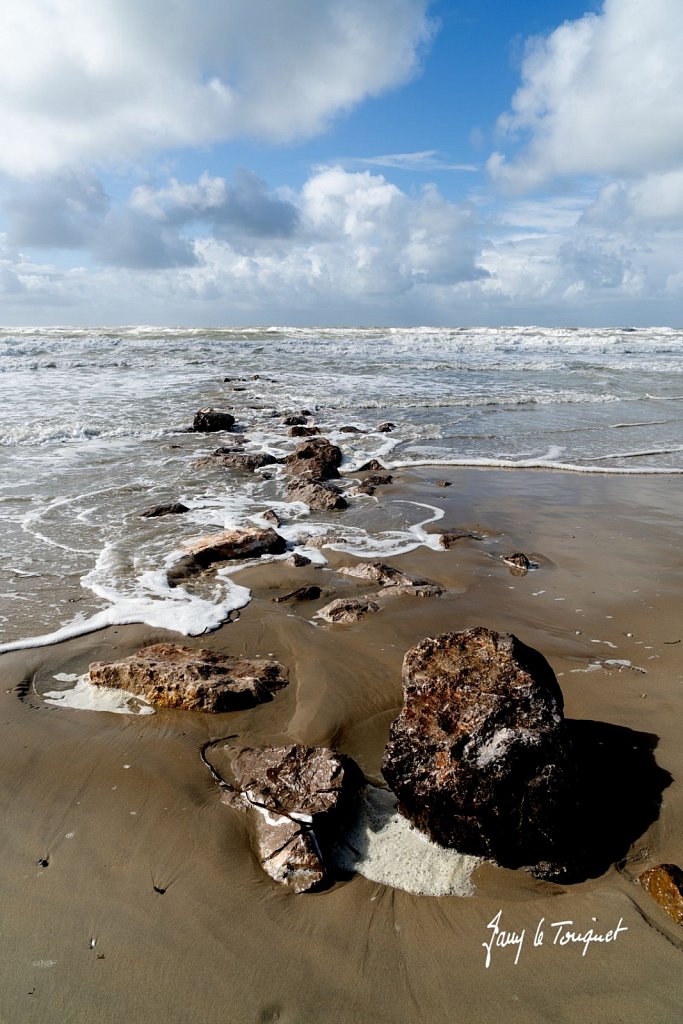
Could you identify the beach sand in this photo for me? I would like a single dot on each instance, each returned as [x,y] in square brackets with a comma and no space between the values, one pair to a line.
[129,892]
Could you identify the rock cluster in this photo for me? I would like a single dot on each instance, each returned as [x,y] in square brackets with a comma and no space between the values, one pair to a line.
[297,799]
[192,680]
[479,757]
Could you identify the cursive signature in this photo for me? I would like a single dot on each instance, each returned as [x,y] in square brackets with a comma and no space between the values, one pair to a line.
[560,933]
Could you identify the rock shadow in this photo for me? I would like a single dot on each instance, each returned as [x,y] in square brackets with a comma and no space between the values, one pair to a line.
[619,794]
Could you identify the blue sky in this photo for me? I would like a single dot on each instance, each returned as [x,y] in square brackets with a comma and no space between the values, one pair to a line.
[341,161]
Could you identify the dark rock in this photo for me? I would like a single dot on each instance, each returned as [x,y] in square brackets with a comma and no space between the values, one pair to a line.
[665,884]
[386,428]
[194,680]
[315,459]
[371,464]
[518,563]
[240,461]
[303,431]
[294,421]
[176,508]
[350,430]
[411,590]
[297,561]
[451,537]
[479,756]
[271,516]
[347,609]
[370,483]
[444,483]
[321,496]
[311,593]
[231,544]
[297,800]
[208,421]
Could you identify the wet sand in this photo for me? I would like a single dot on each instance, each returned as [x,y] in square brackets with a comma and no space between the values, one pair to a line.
[148,904]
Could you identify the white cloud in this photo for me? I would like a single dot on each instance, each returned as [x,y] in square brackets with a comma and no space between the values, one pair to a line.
[600,95]
[424,160]
[98,81]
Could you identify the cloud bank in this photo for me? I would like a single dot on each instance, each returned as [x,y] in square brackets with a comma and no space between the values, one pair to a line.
[91,82]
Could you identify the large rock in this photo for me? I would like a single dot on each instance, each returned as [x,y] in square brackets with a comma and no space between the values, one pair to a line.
[379,572]
[347,609]
[297,799]
[318,495]
[231,544]
[208,421]
[315,459]
[194,680]
[479,757]
[174,508]
[244,462]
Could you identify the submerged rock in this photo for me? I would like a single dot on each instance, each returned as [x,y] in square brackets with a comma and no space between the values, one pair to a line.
[208,421]
[350,430]
[311,593]
[297,799]
[318,495]
[449,538]
[479,757]
[369,484]
[245,462]
[386,428]
[193,680]
[294,421]
[378,572]
[271,516]
[298,431]
[230,544]
[372,465]
[175,508]
[316,459]
[518,563]
[347,609]
[665,884]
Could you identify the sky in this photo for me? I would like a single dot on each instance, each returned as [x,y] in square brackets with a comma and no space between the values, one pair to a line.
[341,162]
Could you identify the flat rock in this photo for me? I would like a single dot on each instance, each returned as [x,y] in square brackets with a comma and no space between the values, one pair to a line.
[208,421]
[297,800]
[449,538]
[319,495]
[378,572]
[244,462]
[347,609]
[193,680]
[175,508]
[665,884]
[411,590]
[315,459]
[479,757]
[348,429]
[230,544]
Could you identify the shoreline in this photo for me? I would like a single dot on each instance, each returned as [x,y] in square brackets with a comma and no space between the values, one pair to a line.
[607,589]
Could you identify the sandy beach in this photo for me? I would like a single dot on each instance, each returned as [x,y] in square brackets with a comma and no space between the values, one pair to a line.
[131,893]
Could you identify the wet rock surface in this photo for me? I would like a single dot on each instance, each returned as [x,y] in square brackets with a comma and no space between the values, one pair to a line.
[665,885]
[386,427]
[379,572]
[208,421]
[192,679]
[231,544]
[348,609]
[244,462]
[315,459]
[175,508]
[318,495]
[518,563]
[301,431]
[310,593]
[297,799]
[297,561]
[449,538]
[479,756]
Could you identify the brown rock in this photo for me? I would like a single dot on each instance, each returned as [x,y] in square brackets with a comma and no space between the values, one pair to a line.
[208,421]
[518,563]
[347,609]
[244,462]
[371,464]
[315,459]
[444,483]
[230,544]
[297,799]
[378,572]
[175,508]
[297,561]
[271,516]
[194,680]
[665,884]
[411,590]
[450,538]
[294,421]
[303,431]
[479,757]
[386,428]
[322,496]
[350,430]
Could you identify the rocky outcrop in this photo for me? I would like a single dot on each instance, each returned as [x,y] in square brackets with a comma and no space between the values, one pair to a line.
[208,421]
[297,799]
[175,508]
[316,459]
[193,680]
[479,757]
[347,609]
[231,544]
[318,495]
[665,884]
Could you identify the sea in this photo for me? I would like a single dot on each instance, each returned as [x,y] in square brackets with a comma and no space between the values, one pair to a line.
[94,430]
